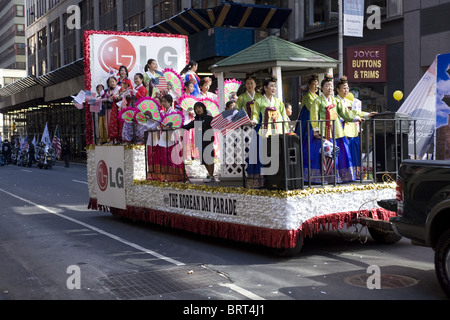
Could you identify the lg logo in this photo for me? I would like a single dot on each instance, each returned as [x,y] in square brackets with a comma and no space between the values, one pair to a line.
[116,51]
[106,178]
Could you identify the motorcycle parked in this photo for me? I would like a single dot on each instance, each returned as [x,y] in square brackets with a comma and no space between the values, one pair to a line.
[45,157]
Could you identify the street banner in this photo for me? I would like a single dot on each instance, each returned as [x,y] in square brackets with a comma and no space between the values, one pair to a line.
[110,179]
[443,107]
[420,105]
[353,18]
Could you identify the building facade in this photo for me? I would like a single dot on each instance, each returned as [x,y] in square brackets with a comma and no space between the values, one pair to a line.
[12,34]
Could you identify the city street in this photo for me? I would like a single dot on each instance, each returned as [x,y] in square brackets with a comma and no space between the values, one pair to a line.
[53,248]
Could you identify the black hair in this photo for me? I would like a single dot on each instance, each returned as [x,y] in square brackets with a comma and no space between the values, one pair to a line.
[312,78]
[107,81]
[201,104]
[168,97]
[188,66]
[141,76]
[229,102]
[123,67]
[266,83]
[100,85]
[202,82]
[149,61]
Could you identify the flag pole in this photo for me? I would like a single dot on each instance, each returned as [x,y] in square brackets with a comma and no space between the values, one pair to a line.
[341,40]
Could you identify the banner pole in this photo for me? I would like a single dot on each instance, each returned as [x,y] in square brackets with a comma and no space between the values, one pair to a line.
[341,40]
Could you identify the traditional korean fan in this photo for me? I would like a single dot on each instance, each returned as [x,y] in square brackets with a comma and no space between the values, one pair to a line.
[176,118]
[173,78]
[187,102]
[230,85]
[128,114]
[211,105]
[140,118]
[149,104]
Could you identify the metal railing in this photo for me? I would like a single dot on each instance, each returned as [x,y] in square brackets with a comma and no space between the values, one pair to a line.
[383,144]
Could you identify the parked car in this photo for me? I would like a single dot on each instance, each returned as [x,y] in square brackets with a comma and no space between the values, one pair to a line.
[423,210]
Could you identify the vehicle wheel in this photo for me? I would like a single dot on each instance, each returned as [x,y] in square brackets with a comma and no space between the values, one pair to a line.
[442,261]
[384,237]
[40,166]
[289,252]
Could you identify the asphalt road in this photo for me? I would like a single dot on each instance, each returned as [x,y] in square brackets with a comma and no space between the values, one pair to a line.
[53,248]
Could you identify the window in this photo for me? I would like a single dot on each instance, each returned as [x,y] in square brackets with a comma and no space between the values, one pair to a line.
[321,14]
[156,14]
[55,61]
[107,5]
[42,38]
[19,11]
[135,23]
[20,30]
[54,30]
[20,49]
[31,45]
[395,8]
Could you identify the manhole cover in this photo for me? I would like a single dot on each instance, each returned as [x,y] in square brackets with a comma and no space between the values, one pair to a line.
[148,283]
[388,281]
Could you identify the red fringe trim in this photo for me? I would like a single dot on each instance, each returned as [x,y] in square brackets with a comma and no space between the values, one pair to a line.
[274,238]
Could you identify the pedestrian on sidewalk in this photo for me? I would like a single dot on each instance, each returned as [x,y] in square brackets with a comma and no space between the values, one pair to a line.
[66,153]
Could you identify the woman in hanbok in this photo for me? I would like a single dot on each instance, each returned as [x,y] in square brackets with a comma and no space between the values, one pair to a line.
[204,85]
[326,107]
[307,101]
[189,74]
[352,129]
[112,97]
[246,100]
[170,163]
[151,77]
[138,92]
[102,126]
[189,115]
[123,74]
[271,113]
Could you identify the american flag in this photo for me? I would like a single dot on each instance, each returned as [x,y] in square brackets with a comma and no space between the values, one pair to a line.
[57,143]
[229,120]
[328,162]
[162,84]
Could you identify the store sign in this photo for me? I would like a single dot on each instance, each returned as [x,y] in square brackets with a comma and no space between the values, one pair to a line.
[366,64]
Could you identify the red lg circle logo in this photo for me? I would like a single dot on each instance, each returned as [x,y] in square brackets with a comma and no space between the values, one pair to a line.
[116,51]
[102,175]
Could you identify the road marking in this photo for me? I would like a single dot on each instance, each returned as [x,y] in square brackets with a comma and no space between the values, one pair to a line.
[110,235]
[242,291]
[231,286]
[26,170]
[84,182]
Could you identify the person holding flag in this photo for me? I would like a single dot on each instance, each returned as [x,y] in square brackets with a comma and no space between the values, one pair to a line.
[204,143]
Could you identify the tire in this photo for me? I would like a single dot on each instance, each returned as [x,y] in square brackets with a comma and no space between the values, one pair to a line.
[384,237]
[289,252]
[442,261]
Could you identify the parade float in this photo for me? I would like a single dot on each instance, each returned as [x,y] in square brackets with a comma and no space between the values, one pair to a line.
[277,218]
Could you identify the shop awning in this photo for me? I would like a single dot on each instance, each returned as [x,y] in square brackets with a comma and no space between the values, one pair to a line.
[191,21]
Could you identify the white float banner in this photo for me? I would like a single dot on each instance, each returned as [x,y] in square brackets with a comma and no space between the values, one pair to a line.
[110,51]
[353,18]
[110,180]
